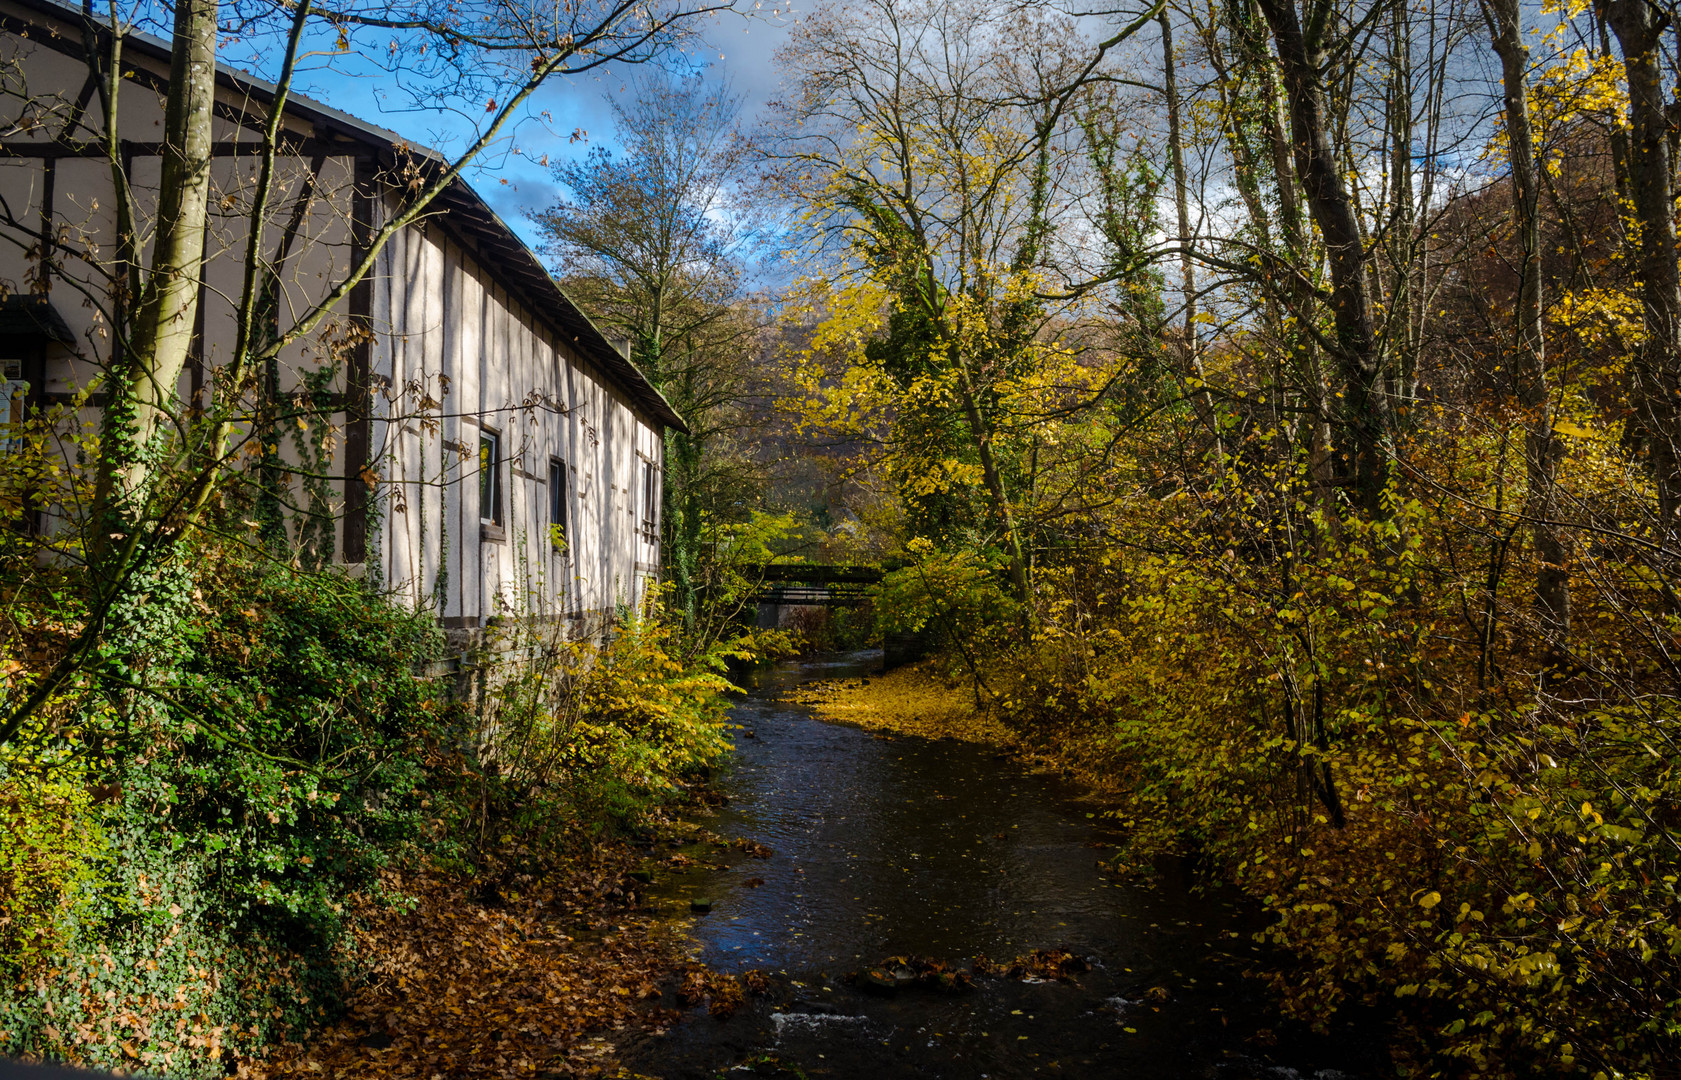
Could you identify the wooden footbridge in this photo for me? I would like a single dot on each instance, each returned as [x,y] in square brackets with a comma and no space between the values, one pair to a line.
[812,585]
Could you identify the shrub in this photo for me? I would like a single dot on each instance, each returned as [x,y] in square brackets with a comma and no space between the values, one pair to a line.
[1422,822]
[187,834]
[257,760]
[583,737]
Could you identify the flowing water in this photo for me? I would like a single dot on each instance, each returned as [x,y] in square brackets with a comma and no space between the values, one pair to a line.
[944,850]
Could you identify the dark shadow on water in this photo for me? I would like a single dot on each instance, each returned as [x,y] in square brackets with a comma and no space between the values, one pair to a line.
[890,847]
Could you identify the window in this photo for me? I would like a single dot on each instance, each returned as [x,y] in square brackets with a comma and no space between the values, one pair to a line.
[650,501]
[490,478]
[558,534]
[16,390]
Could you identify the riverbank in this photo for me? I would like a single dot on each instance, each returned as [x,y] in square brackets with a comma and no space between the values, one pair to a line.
[905,701]
[1302,933]
[521,981]
[918,699]
[509,976]
[933,908]
[313,859]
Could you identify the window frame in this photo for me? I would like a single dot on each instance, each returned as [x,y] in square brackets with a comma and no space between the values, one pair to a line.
[650,501]
[490,478]
[559,507]
[15,409]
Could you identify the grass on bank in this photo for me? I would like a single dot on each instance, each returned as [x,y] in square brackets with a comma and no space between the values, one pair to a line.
[905,701]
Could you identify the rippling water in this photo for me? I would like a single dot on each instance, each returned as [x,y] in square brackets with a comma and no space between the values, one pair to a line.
[910,847]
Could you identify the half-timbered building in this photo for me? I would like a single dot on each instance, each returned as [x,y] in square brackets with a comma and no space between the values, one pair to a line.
[490,452]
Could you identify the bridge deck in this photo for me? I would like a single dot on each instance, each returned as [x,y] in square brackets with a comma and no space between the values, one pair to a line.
[813,584]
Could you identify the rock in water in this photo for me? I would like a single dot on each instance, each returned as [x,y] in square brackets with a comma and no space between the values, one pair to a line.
[877,981]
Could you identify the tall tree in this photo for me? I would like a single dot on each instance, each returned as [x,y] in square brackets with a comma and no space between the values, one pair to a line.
[1366,410]
[156,350]
[1639,26]
[1543,449]
[936,148]
[651,243]
[1182,212]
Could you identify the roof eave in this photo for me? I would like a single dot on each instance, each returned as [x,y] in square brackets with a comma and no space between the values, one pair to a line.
[485,224]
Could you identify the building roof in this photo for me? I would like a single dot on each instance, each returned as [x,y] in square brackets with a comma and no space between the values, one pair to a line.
[504,255]
[33,317]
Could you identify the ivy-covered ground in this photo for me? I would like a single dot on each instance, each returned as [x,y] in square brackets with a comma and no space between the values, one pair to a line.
[265,840]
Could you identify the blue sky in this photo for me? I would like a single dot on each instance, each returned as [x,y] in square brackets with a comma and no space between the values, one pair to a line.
[739,50]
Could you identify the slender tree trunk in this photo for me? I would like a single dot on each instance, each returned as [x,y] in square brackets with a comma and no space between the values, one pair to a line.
[1657,382]
[1298,248]
[1365,406]
[1181,196]
[1543,450]
[1619,137]
[1403,302]
[681,499]
[142,390]
[1187,267]
[994,480]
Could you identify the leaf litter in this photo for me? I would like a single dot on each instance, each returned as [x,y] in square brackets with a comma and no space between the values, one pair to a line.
[538,983]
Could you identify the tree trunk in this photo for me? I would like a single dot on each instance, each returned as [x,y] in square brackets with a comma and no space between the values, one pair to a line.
[995,489]
[142,387]
[1365,405]
[681,499]
[1619,137]
[1181,197]
[1204,401]
[1298,248]
[679,494]
[1543,450]
[1656,370]
[1405,295]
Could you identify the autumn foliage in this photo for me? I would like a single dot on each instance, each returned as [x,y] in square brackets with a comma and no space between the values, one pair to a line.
[1344,563]
[526,984]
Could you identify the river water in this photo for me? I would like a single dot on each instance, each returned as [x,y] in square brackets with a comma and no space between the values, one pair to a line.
[907,847]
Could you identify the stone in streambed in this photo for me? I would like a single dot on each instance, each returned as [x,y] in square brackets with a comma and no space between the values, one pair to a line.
[701,904]
[877,981]
[951,981]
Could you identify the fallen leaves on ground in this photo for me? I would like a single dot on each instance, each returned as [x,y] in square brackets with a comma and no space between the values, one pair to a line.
[517,988]
[679,861]
[905,701]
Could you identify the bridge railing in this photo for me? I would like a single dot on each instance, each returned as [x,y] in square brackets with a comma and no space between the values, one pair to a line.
[813,584]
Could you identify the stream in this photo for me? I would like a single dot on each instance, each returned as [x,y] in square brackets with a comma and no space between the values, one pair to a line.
[908,847]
